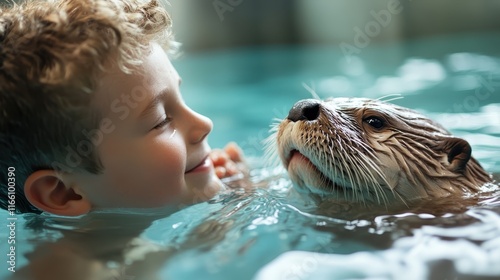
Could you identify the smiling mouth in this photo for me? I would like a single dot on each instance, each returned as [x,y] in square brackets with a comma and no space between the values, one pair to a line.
[201,166]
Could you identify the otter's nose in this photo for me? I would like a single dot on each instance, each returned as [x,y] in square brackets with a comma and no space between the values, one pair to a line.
[307,109]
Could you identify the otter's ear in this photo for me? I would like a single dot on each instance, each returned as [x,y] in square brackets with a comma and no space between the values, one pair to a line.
[46,190]
[459,153]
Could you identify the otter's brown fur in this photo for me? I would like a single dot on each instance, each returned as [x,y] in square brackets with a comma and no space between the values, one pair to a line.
[365,150]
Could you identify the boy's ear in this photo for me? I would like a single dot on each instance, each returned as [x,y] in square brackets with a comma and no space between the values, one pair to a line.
[46,190]
[459,152]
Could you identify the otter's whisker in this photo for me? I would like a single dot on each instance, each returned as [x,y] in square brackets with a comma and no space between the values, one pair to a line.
[390,97]
[368,178]
[347,170]
[361,173]
[401,197]
[311,90]
[373,151]
[271,157]
[371,166]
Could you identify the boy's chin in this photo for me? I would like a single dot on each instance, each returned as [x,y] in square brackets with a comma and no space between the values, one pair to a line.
[199,193]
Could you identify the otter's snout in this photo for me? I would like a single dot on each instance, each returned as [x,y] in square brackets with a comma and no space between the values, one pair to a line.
[307,109]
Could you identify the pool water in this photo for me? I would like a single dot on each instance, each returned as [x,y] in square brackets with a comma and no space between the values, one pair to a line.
[267,233]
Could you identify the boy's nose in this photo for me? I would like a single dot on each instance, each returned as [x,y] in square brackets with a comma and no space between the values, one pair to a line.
[200,127]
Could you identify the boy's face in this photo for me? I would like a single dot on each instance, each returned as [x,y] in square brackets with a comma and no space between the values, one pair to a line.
[154,148]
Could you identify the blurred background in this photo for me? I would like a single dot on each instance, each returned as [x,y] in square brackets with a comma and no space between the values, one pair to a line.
[246,62]
[214,24]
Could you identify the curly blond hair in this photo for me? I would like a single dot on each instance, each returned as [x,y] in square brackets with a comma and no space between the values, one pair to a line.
[51,55]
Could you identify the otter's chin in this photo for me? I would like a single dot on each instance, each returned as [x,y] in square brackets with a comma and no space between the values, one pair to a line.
[306,176]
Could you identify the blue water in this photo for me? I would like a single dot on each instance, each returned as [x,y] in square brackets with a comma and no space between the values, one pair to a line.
[267,234]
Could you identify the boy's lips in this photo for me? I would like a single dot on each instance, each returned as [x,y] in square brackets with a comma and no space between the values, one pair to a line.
[203,165]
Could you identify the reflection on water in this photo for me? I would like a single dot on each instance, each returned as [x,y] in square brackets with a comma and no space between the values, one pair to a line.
[95,246]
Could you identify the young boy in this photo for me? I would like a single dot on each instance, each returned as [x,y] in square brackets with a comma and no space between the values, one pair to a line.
[91,112]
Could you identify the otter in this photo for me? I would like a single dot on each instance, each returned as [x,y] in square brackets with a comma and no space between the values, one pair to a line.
[373,152]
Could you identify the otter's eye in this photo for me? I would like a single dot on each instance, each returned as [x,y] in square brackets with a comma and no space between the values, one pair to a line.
[375,122]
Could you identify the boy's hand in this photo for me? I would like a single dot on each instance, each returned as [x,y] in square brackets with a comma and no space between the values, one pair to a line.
[228,161]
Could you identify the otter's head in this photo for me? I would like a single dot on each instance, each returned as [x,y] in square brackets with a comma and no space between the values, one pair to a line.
[366,150]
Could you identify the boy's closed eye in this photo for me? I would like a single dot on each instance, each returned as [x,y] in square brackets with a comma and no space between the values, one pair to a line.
[163,122]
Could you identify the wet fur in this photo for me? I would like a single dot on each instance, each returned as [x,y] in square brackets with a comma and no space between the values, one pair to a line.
[338,156]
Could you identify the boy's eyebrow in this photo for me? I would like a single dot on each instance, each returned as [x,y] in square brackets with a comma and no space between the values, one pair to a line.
[153,103]
[156,100]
